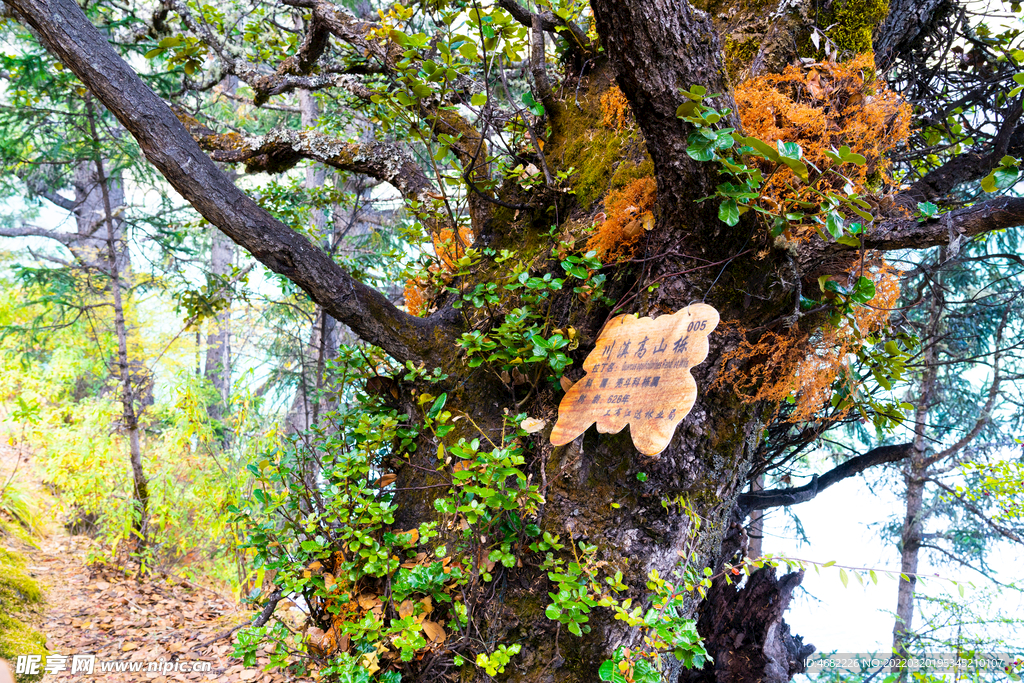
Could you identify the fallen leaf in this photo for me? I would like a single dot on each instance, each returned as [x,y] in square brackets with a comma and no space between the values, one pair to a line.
[566,383]
[647,218]
[814,85]
[406,608]
[368,601]
[531,425]
[385,480]
[433,631]
[371,663]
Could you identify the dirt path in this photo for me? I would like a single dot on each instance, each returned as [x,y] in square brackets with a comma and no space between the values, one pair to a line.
[163,629]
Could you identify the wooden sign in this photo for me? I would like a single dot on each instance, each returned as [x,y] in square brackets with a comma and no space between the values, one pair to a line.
[639,374]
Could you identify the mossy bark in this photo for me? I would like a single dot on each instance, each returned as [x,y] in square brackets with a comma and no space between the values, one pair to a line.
[653,49]
[706,464]
[18,593]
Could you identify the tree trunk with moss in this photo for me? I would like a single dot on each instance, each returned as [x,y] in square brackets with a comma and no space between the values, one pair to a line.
[598,489]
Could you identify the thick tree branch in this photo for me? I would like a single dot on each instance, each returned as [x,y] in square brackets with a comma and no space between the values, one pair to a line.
[64,238]
[281,149]
[548,22]
[659,47]
[170,148]
[762,500]
[905,26]
[907,233]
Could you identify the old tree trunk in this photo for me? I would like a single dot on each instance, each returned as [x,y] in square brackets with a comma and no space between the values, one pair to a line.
[650,49]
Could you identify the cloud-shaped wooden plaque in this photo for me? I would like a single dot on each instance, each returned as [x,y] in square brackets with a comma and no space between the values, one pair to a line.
[639,374]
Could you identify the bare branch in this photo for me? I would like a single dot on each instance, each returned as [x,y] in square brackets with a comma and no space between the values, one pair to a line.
[907,233]
[770,498]
[64,238]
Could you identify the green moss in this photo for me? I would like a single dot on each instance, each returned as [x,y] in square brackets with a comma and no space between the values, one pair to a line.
[17,591]
[627,172]
[580,140]
[738,56]
[853,21]
[593,154]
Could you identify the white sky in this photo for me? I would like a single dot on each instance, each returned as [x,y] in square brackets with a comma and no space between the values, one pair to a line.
[859,618]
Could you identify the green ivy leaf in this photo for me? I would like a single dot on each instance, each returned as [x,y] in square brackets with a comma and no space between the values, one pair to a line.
[729,212]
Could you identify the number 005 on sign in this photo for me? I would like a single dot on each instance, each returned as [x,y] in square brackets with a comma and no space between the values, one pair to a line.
[639,374]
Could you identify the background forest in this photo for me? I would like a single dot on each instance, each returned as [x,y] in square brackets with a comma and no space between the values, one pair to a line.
[199,411]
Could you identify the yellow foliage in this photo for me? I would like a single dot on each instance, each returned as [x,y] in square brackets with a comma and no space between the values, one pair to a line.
[822,107]
[627,213]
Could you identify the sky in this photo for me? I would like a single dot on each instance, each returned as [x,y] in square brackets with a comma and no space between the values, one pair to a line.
[838,524]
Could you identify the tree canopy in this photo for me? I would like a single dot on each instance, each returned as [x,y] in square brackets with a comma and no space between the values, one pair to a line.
[452,200]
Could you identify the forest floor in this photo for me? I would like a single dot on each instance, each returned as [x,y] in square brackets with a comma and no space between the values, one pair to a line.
[164,623]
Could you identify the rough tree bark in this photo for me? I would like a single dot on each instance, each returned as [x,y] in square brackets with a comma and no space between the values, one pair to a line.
[653,48]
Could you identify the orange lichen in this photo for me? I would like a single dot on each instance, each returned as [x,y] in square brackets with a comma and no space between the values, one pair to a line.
[627,213]
[449,247]
[808,368]
[823,107]
[415,297]
[615,111]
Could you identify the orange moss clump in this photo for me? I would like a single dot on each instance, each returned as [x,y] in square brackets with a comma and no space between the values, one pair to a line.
[615,110]
[627,213]
[807,367]
[415,297]
[823,107]
[449,247]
